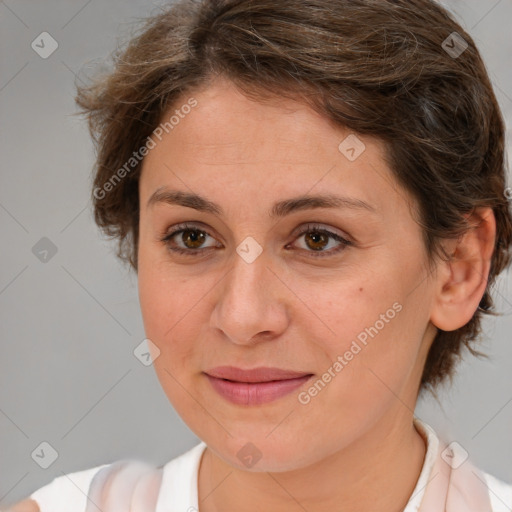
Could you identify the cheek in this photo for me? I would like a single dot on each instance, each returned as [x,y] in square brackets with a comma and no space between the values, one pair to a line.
[349,307]
[367,365]
[164,306]
[173,311]
[159,293]
[370,328]
[166,309]
[157,297]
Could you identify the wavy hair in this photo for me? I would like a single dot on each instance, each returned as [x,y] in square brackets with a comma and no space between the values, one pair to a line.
[394,69]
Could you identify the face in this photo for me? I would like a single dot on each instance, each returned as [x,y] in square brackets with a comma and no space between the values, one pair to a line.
[338,292]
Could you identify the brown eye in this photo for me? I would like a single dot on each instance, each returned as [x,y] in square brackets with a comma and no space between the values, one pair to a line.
[188,240]
[317,239]
[193,237]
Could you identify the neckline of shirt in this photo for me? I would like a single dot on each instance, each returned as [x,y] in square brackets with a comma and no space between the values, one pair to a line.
[175,496]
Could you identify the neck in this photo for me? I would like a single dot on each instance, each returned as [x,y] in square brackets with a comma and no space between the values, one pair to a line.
[378,471]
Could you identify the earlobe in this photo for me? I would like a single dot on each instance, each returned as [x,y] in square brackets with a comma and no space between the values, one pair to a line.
[462,280]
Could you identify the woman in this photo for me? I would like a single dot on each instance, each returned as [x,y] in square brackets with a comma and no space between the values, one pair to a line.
[312,196]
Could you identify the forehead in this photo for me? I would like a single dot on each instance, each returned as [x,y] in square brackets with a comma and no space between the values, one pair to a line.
[226,122]
[264,148]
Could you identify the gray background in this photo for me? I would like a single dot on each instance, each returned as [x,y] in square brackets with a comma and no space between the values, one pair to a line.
[69,326]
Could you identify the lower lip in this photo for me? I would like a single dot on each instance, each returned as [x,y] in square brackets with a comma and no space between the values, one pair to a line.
[256,393]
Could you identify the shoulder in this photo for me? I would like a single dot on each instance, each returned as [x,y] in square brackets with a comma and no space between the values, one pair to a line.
[122,482]
[189,459]
[469,483]
[68,489]
[184,467]
[500,493]
[179,480]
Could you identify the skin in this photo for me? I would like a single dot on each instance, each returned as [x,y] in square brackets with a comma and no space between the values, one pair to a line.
[353,447]
[25,506]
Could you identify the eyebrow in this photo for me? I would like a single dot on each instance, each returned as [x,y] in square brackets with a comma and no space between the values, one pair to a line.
[279,209]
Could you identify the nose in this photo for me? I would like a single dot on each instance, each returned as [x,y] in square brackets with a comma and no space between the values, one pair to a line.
[251,304]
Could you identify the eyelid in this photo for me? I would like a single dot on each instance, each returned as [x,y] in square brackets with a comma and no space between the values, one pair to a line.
[343,239]
[318,226]
[168,234]
[314,227]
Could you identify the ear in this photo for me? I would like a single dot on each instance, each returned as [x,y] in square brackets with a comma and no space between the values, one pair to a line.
[461,281]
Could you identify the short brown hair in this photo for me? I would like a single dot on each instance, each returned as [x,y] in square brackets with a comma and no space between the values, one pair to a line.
[378,67]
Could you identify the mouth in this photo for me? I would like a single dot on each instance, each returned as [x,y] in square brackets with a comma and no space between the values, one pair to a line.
[254,375]
[254,386]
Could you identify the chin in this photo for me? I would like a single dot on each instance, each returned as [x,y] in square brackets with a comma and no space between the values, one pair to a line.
[260,453]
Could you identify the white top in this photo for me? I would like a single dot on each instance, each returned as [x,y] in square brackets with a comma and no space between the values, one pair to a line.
[178,491]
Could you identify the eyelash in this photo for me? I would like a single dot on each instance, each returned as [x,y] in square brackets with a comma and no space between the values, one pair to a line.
[310,228]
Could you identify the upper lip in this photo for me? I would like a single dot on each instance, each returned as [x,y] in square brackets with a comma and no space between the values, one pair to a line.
[260,374]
